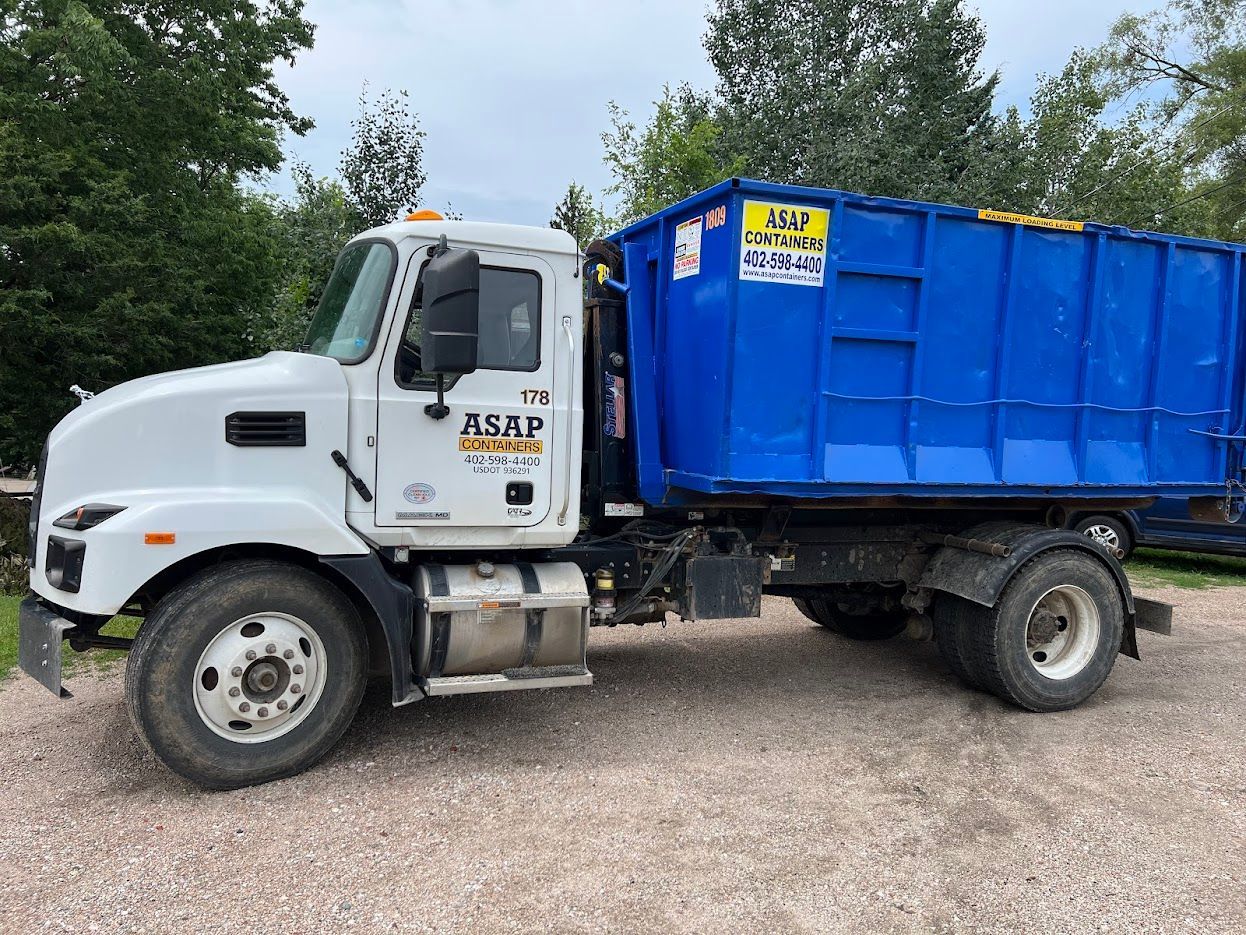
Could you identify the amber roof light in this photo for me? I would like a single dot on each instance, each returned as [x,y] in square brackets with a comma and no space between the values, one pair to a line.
[424,214]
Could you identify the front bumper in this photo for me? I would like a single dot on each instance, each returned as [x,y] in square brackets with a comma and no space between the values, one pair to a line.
[41,633]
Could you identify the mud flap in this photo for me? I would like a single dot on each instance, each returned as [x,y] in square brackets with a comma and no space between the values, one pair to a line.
[39,647]
[1155,616]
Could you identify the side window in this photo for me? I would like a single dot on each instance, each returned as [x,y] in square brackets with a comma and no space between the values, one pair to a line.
[510,328]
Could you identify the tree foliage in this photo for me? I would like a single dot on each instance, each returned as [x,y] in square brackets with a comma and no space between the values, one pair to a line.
[383,170]
[879,96]
[888,97]
[579,216]
[380,177]
[676,154]
[1068,159]
[1190,57]
[308,232]
[127,245]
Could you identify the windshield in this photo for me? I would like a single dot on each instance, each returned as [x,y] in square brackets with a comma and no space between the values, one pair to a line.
[350,309]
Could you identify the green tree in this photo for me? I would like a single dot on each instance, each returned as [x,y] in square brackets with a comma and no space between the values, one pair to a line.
[1190,57]
[676,154]
[880,96]
[579,216]
[382,170]
[1070,160]
[127,245]
[309,231]
[380,177]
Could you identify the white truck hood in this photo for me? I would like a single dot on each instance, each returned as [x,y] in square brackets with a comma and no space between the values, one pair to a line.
[168,432]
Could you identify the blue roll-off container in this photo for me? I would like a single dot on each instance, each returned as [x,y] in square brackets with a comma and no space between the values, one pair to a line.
[925,351]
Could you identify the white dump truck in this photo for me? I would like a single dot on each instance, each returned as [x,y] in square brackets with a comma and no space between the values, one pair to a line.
[866,406]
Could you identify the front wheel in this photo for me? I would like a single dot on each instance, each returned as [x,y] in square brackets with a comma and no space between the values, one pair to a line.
[248,672]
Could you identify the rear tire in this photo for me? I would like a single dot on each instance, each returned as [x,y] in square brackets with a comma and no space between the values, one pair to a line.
[246,673]
[953,619]
[862,627]
[804,606]
[1051,640]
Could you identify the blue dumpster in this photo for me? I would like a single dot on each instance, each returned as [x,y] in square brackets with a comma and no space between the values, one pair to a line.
[806,343]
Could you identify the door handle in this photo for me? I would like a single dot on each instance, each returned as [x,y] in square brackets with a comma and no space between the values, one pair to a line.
[566,484]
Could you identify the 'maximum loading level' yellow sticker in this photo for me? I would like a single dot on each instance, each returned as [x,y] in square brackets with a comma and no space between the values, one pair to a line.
[784,243]
[1051,223]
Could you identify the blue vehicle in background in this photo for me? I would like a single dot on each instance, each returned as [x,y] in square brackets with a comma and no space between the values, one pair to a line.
[1166,524]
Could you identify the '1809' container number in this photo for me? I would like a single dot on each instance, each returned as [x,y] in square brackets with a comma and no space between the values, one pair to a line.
[766,259]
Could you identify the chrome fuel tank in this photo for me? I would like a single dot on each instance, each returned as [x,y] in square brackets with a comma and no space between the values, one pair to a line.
[488,627]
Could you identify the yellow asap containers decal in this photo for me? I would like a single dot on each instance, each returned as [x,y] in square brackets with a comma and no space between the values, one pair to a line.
[784,243]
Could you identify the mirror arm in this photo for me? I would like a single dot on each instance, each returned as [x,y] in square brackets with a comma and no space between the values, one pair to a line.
[439,409]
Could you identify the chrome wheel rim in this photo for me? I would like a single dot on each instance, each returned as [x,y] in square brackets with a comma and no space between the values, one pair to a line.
[260,677]
[1062,633]
[1104,535]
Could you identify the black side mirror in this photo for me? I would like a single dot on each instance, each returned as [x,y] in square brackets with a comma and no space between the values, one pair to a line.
[451,311]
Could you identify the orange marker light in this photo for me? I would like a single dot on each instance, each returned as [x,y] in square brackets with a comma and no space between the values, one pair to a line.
[424,214]
[159,538]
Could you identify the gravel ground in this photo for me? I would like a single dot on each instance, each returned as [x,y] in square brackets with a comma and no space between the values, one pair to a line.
[753,775]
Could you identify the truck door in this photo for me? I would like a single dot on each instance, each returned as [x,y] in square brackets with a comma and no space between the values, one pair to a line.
[488,463]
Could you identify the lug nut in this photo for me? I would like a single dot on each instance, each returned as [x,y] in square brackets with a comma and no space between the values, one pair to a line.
[244,707]
[236,672]
[282,705]
[250,654]
[298,670]
[262,712]
[295,689]
[270,648]
[288,654]
[235,692]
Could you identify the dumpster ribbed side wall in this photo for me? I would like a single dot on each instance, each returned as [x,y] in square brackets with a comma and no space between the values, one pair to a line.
[945,355]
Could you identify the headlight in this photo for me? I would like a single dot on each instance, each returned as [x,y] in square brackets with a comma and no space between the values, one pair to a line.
[88,516]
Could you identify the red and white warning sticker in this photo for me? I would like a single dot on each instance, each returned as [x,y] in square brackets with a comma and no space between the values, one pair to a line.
[688,248]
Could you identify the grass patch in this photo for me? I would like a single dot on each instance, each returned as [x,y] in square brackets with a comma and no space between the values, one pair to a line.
[1155,568]
[91,661]
[8,633]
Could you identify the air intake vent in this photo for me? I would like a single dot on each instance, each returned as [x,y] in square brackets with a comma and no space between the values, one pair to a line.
[266,429]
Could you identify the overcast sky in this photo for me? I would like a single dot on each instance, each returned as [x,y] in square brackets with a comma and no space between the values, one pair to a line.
[512,93]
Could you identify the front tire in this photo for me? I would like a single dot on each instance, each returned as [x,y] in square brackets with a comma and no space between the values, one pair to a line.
[248,672]
[1051,640]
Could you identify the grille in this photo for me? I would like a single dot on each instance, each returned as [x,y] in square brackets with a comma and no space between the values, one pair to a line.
[266,429]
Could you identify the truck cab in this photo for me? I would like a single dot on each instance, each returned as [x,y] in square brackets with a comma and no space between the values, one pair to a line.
[483,474]
[240,455]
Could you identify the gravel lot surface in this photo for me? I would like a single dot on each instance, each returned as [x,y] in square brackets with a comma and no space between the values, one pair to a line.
[754,775]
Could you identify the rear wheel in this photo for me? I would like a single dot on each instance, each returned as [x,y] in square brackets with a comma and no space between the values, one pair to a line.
[246,673]
[1051,640]
[867,627]
[954,617]
[805,607]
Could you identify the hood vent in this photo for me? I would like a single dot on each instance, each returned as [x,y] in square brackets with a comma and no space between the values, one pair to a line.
[266,429]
